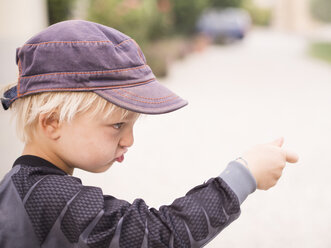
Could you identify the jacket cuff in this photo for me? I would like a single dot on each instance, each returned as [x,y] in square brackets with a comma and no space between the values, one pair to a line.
[239,179]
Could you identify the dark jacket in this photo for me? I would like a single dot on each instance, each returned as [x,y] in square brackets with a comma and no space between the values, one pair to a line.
[42,206]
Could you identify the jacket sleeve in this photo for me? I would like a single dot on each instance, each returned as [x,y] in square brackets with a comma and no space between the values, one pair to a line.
[190,221]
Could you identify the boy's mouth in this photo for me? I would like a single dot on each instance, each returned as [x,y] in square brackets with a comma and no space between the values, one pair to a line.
[120,159]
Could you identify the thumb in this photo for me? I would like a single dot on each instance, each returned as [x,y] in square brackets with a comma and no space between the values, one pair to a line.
[278,142]
[291,157]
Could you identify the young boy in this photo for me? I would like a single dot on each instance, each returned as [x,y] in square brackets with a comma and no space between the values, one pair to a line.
[80,89]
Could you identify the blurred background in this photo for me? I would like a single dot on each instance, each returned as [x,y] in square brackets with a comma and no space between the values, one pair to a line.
[252,71]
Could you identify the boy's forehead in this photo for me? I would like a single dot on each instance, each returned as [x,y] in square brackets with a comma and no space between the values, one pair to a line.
[131,116]
[120,115]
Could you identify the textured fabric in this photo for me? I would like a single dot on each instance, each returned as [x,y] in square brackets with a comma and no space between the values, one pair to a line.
[47,200]
[240,179]
[79,55]
[61,209]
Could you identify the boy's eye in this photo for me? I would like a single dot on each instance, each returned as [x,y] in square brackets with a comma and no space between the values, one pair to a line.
[118,125]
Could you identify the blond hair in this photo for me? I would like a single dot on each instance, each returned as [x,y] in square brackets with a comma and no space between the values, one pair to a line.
[66,104]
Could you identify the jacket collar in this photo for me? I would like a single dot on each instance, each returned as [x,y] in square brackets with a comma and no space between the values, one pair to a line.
[36,161]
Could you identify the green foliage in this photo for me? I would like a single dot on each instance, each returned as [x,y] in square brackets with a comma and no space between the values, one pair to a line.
[321,50]
[225,3]
[59,10]
[260,16]
[321,10]
[161,53]
[141,21]
[185,14]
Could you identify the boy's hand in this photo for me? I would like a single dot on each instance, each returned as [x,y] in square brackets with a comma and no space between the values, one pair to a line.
[267,161]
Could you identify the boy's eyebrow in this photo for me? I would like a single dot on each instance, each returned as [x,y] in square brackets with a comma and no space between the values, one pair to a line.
[133,117]
[129,117]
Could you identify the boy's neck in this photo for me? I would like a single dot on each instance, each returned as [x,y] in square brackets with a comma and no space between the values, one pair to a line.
[30,149]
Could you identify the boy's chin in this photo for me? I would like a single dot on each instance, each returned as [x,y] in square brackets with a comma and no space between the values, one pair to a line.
[101,169]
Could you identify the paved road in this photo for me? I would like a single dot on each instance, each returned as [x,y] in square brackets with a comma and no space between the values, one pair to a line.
[239,96]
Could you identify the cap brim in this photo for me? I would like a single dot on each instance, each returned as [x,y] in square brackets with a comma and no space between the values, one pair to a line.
[149,98]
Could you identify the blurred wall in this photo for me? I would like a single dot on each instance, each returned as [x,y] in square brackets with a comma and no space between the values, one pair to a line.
[19,20]
[293,15]
[264,3]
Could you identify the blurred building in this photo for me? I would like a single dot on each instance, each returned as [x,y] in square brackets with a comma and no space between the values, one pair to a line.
[19,20]
[290,15]
[293,15]
[22,18]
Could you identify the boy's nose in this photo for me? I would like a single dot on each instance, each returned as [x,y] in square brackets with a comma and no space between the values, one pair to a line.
[127,139]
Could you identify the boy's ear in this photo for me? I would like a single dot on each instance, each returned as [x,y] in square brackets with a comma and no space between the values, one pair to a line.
[50,125]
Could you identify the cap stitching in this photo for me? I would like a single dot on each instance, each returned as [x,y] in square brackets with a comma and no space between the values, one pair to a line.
[78,41]
[147,98]
[60,42]
[123,42]
[117,92]
[85,72]
[138,51]
[89,88]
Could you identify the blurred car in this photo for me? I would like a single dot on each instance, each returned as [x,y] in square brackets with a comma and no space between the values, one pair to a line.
[224,25]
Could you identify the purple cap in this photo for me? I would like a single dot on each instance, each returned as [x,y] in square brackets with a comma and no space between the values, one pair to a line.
[85,56]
